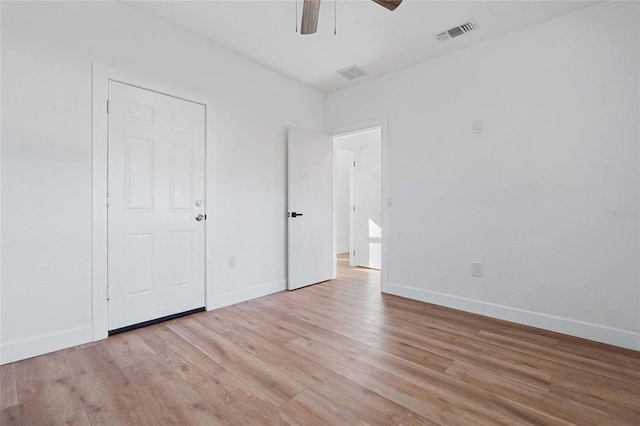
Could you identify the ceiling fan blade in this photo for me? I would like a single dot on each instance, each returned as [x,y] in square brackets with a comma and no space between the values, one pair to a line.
[310,12]
[389,4]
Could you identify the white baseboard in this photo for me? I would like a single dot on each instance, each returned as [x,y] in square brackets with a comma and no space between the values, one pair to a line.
[243,295]
[17,350]
[613,336]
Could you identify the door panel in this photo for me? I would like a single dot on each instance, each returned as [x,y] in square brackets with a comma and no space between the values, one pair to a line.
[156,173]
[310,192]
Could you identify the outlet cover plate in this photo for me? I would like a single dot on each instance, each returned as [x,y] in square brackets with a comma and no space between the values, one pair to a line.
[476,269]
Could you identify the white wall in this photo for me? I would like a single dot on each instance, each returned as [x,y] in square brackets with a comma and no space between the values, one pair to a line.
[47,51]
[344,161]
[531,196]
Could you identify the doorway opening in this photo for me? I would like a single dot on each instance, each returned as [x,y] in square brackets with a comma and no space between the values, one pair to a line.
[358,201]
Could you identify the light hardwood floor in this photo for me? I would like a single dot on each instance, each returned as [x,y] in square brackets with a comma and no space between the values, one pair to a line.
[330,354]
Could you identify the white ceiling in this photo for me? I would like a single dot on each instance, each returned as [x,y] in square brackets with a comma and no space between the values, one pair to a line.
[369,35]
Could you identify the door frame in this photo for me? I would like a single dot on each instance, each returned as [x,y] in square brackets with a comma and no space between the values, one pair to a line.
[382,123]
[101,75]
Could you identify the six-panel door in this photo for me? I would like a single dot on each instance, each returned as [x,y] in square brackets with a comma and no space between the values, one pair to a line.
[156,191]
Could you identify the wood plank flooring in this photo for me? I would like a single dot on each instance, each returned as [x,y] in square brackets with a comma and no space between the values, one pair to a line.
[337,353]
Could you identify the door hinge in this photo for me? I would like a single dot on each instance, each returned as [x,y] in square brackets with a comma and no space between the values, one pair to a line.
[354,163]
[107,106]
[354,252]
[354,208]
[108,295]
[107,198]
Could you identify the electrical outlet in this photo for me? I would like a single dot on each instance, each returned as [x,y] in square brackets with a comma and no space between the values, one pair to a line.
[476,269]
[232,262]
[476,127]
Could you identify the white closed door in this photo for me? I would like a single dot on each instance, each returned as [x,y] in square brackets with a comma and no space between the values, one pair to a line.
[310,201]
[156,205]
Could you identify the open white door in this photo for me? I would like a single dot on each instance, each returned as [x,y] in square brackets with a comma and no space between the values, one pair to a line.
[310,203]
[156,205]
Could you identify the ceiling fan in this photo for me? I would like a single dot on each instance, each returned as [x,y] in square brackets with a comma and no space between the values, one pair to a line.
[311,10]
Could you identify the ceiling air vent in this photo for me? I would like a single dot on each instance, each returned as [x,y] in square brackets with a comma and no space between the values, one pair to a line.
[456,31]
[352,72]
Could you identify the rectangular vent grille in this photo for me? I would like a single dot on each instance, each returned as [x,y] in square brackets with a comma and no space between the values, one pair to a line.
[456,31]
[352,72]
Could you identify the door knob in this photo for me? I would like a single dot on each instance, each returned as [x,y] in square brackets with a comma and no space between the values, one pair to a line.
[200,217]
[294,214]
